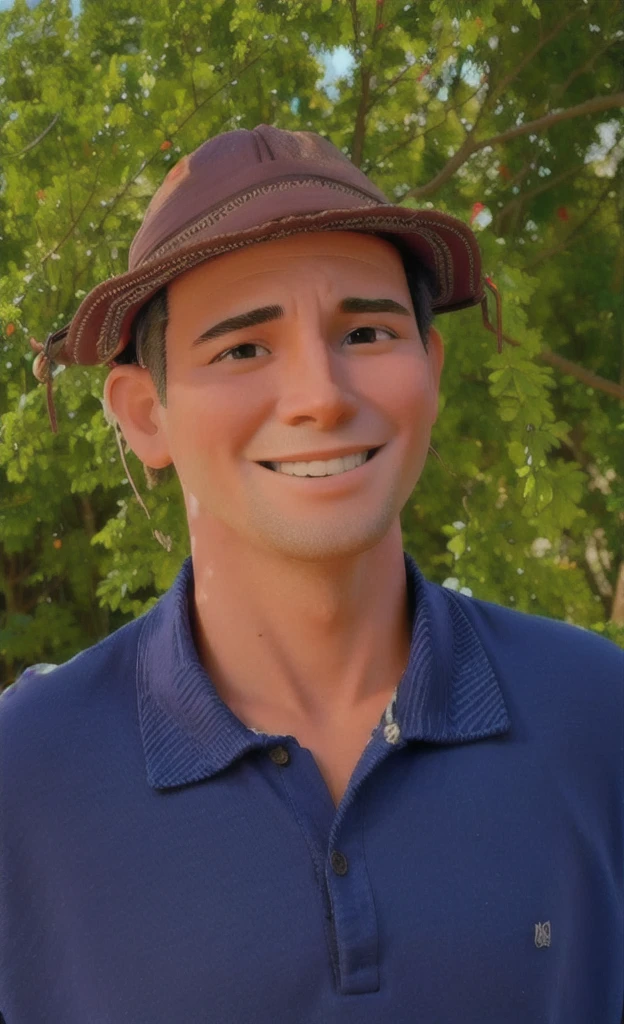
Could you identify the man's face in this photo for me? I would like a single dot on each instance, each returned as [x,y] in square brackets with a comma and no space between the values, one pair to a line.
[313,382]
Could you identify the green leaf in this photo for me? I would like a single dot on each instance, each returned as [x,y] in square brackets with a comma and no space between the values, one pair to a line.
[544,492]
[120,115]
[457,545]
[509,410]
[532,8]
[529,485]
[516,453]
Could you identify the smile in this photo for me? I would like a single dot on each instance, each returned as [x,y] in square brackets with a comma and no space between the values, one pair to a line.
[334,467]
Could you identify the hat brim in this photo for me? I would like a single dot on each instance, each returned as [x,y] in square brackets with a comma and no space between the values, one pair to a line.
[100,329]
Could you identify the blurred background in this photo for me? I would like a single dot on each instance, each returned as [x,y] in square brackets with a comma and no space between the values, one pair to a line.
[505,113]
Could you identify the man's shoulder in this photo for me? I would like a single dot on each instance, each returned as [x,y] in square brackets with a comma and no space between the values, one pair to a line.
[528,624]
[45,699]
[548,654]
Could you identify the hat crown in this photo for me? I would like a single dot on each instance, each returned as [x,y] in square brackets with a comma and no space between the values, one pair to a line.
[227,165]
[250,186]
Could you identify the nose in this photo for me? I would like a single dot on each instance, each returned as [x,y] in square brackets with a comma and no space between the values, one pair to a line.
[316,385]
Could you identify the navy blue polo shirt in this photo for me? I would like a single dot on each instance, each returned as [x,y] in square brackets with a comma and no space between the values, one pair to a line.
[161,862]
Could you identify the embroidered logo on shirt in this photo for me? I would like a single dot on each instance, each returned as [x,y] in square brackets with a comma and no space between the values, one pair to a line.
[542,934]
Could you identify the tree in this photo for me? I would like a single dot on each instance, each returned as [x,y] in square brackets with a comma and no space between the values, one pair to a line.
[508,114]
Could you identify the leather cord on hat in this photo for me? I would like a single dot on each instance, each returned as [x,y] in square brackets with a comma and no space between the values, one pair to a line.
[162,538]
[498,330]
[43,368]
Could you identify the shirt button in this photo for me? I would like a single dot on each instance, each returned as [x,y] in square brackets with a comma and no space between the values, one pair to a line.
[279,755]
[339,863]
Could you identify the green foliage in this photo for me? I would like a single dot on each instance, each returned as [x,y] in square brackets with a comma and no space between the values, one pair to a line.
[525,504]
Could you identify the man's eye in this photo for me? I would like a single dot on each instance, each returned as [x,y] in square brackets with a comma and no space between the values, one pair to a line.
[250,344]
[236,348]
[358,330]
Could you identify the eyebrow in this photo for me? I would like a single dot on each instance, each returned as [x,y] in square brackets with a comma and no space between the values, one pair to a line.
[265,313]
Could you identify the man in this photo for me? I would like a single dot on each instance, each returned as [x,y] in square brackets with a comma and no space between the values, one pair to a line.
[309,784]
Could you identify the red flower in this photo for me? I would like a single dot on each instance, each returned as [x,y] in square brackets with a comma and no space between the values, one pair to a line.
[504,172]
[476,210]
[165,145]
[562,213]
[10,329]
[379,27]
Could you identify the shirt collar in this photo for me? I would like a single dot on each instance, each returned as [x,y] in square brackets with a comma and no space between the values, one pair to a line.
[448,693]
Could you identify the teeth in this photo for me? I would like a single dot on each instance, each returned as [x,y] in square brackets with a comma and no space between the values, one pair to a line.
[331,468]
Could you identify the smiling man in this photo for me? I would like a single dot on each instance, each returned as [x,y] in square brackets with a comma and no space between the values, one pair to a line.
[308,784]
[298,439]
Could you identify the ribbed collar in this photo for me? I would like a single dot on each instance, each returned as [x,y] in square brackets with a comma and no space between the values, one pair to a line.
[448,693]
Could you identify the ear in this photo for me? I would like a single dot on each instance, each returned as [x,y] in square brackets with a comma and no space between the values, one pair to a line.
[130,398]
[435,347]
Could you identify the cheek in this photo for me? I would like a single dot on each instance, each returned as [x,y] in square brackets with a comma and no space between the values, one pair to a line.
[205,424]
[403,388]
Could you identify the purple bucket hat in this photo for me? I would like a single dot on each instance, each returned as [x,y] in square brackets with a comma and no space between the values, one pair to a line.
[248,186]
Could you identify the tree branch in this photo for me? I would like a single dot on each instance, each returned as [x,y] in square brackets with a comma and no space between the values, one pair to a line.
[432,128]
[563,88]
[549,183]
[74,224]
[357,145]
[504,85]
[145,163]
[388,85]
[69,191]
[566,366]
[520,175]
[593,106]
[470,146]
[578,227]
[519,200]
[34,142]
[465,151]
[191,57]
[617,608]
[359,133]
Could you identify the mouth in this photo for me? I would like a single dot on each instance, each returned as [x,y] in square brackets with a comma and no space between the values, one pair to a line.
[370,454]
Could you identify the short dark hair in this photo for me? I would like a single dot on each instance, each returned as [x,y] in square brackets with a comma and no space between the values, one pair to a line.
[148,331]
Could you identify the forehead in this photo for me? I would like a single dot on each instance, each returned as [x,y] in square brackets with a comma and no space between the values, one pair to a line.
[351,253]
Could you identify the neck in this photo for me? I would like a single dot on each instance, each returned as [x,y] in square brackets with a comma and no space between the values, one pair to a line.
[310,640]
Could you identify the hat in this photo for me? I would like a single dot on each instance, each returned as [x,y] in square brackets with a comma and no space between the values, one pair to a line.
[248,186]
